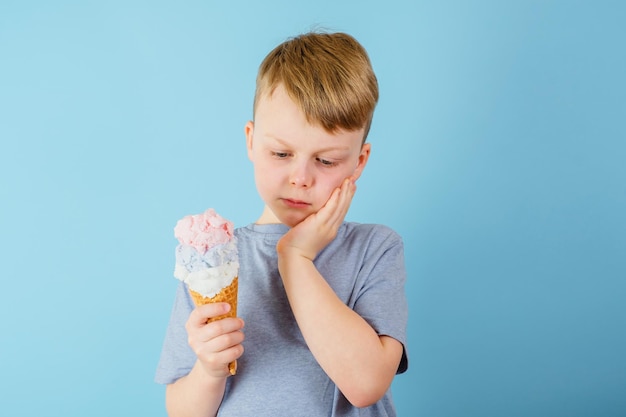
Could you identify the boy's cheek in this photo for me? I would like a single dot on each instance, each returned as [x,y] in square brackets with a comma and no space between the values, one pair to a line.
[328,193]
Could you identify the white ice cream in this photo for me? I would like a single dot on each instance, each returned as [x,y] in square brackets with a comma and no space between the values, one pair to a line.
[208,281]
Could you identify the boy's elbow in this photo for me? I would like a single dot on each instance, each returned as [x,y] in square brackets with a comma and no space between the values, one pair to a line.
[364,395]
[368,388]
[362,402]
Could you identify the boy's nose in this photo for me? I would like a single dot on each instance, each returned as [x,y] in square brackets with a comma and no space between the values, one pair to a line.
[301,176]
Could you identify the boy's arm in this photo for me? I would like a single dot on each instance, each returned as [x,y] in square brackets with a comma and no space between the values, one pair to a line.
[216,344]
[360,362]
[195,394]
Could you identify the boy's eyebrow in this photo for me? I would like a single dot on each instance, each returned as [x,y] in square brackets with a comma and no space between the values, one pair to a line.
[330,148]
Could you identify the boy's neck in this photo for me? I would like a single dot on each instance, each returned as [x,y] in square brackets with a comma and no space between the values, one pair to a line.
[268,217]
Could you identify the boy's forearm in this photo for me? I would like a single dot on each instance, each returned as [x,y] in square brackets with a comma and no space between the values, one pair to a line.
[195,395]
[355,357]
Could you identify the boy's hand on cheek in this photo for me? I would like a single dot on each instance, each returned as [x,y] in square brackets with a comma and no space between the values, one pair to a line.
[310,236]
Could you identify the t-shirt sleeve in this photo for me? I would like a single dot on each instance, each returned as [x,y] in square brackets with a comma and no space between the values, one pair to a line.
[382,299]
[177,358]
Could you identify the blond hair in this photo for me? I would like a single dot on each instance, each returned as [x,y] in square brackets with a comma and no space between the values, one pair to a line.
[328,75]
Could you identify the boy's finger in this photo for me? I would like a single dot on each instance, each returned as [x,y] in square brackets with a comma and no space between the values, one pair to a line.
[201,314]
[215,329]
[326,212]
[346,192]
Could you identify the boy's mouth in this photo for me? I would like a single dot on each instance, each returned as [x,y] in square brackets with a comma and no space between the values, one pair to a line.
[295,203]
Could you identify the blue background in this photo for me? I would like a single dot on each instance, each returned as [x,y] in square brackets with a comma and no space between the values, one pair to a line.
[498,153]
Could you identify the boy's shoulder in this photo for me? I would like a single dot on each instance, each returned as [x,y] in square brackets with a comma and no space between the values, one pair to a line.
[368,231]
[367,228]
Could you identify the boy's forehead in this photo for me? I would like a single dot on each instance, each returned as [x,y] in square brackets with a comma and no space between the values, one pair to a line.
[337,143]
[280,118]
[277,105]
[311,138]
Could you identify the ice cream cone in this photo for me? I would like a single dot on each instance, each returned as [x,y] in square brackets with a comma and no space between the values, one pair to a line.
[226,295]
[207,261]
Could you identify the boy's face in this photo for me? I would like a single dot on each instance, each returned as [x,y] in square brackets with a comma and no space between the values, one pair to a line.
[298,165]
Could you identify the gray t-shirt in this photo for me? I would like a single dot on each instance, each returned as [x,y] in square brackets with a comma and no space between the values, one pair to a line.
[277,374]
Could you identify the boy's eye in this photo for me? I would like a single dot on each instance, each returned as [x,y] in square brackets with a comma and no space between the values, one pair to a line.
[280,154]
[326,162]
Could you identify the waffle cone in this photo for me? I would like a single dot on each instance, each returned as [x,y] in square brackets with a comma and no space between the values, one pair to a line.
[226,295]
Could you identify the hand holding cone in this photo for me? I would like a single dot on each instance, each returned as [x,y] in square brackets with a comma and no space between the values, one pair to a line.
[227,295]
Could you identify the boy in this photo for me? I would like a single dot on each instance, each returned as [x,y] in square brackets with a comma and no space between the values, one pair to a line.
[322,299]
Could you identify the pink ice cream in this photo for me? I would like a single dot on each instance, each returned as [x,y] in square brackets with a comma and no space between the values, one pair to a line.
[203,231]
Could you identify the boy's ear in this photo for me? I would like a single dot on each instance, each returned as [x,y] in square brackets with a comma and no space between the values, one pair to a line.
[249,131]
[362,161]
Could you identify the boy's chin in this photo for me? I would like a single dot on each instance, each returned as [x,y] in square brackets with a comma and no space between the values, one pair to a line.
[292,219]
